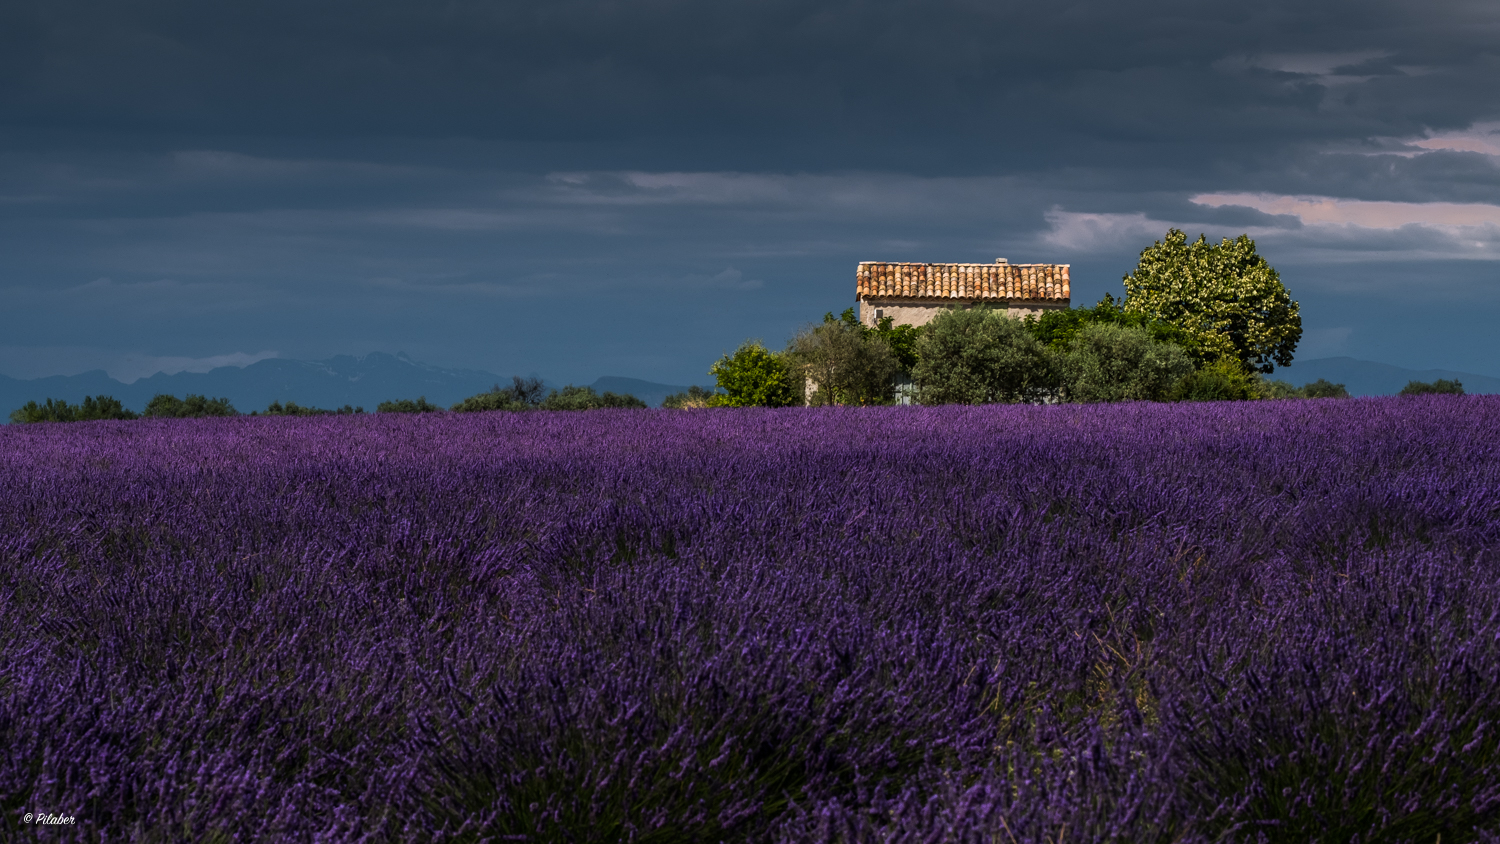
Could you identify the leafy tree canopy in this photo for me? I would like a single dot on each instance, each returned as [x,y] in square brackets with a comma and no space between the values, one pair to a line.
[1056,328]
[979,356]
[163,406]
[1228,300]
[56,410]
[902,339]
[752,376]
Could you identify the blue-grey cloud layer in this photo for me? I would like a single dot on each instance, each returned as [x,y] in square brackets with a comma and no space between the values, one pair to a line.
[592,187]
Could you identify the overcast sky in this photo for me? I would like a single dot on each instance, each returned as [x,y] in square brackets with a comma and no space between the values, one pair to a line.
[578,188]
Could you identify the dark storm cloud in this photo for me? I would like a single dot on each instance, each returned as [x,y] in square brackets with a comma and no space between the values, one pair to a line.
[571,186]
[853,84]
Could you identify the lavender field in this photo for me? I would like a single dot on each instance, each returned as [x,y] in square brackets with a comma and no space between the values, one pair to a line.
[1272,621]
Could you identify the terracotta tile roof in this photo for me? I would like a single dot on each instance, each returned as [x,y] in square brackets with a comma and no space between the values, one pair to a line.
[963,281]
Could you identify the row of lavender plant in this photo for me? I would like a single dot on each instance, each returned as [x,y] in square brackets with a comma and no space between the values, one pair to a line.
[1257,621]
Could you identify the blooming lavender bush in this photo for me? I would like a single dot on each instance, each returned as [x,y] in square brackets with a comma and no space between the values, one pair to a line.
[1274,621]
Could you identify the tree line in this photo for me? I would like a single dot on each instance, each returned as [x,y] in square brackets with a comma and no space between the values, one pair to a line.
[161,406]
[1199,322]
[526,394]
[522,394]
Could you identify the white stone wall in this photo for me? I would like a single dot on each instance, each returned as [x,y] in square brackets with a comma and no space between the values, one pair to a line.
[910,312]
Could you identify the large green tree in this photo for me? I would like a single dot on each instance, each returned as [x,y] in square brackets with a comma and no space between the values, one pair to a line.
[1225,297]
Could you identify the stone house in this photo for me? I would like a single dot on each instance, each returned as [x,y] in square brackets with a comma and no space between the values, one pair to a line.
[912,294]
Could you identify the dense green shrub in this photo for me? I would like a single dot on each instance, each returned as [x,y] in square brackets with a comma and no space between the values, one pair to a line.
[421,405]
[1442,386]
[57,410]
[752,376]
[163,406]
[1222,380]
[979,356]
[1107,362]
[693,397]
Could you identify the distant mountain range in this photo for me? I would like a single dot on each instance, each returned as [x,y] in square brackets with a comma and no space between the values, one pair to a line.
[367,381]
[360,381]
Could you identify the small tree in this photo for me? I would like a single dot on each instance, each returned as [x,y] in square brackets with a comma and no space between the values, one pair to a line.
[1323,389]
[752,376]
[163,406]
[522,394]
[978,356]
[846,362]
[1442,386]
[526,392]
[1228,300]
[1120,363]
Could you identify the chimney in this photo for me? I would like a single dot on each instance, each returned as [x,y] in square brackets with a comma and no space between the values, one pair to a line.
[1001,261]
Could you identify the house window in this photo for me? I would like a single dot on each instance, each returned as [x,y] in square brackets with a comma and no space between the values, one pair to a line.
[879,314]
